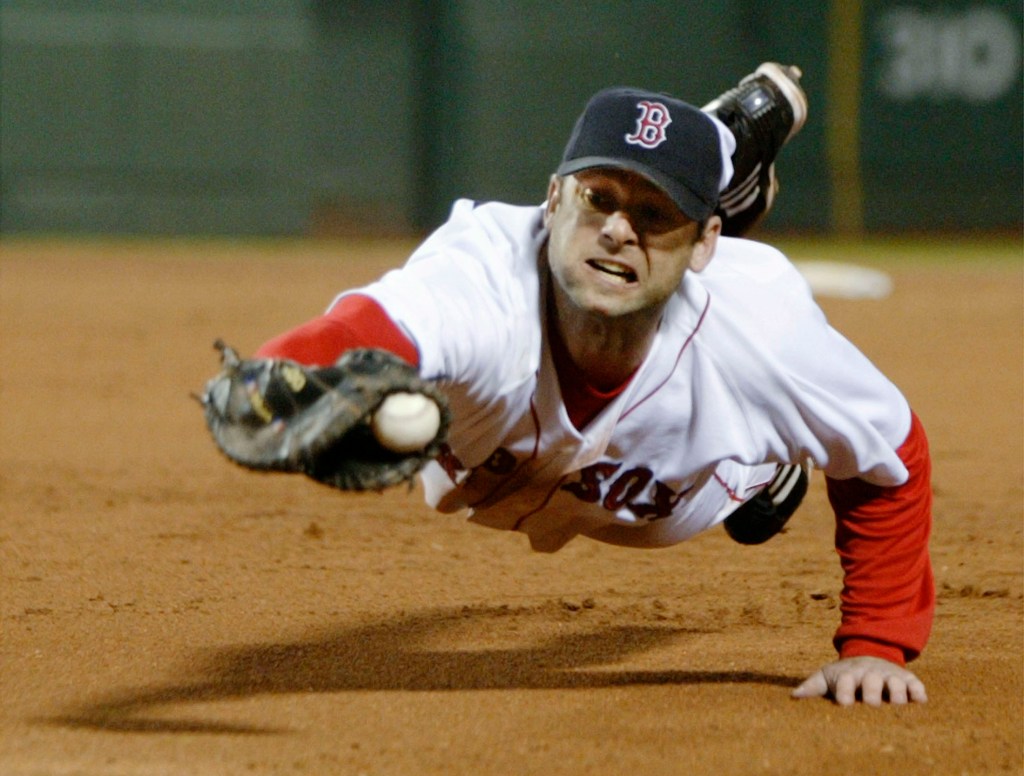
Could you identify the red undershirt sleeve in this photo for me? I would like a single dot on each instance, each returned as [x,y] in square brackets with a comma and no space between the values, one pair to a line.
[356,321]
[888,597]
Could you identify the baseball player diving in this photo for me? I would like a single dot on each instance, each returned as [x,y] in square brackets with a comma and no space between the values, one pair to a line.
[618,363]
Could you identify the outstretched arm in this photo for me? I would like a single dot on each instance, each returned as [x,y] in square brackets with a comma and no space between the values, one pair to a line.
[356,321]
[888,597]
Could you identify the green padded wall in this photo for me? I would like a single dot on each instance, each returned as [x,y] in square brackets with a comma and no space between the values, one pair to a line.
[297,116]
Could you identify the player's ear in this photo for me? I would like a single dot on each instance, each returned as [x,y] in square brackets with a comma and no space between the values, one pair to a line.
[704,247]
[554,197]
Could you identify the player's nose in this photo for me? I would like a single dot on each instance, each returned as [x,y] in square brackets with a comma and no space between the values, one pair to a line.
[618,229]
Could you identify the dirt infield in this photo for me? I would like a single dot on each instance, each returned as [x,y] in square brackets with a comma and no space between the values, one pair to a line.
[164,613]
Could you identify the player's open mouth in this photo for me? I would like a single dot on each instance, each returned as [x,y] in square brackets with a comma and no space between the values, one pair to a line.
[613,268]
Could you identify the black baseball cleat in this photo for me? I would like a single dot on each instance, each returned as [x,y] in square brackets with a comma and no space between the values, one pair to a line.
[763,516]
[764,112]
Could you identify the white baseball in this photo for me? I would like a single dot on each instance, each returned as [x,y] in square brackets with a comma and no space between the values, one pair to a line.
[406,422]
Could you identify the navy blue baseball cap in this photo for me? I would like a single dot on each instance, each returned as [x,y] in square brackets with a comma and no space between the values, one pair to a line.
[670,142]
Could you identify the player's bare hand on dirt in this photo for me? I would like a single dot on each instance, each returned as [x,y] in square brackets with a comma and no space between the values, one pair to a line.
[876,680]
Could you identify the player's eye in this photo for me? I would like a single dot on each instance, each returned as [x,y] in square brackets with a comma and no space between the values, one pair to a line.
[597,200]
[653,218]
[657,220]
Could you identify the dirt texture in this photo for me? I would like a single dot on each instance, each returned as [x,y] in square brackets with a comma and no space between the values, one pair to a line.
[163,612]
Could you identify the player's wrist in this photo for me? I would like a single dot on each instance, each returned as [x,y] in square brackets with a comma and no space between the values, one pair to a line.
[863,647]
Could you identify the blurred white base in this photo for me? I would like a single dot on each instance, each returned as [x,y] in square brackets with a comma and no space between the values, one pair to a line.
[846,281]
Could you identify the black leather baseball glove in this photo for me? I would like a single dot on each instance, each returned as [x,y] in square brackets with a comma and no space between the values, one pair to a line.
[278,415]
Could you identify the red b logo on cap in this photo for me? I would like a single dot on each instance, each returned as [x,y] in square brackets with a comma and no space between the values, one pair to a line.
[650,126]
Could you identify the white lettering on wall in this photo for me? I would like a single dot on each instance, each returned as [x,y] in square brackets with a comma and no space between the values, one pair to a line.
[974,54]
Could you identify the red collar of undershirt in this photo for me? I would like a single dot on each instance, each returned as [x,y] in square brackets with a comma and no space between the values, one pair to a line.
[582,400]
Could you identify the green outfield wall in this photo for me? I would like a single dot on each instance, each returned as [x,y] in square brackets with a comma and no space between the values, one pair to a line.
[279,118]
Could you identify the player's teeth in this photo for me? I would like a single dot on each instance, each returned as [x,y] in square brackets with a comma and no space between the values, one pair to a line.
[613,268]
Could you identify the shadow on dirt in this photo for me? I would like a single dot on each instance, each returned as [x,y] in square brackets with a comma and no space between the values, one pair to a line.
[393,656]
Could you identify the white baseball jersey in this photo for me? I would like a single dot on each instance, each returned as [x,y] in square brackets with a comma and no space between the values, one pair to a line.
[744,373]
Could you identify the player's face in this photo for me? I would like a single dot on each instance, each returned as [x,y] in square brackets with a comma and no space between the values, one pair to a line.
[618,244]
